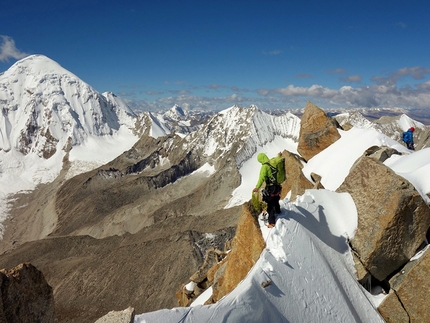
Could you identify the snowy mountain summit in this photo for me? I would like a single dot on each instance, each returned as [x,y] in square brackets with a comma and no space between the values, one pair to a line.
[240,131]
[176,113]
[48,112]
[45,107]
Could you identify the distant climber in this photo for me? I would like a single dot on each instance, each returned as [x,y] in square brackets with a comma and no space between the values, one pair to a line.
[408,138]
[272,172]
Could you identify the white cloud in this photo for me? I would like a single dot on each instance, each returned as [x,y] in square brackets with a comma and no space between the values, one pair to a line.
[417,73]
[314,90]
[8,49]
[389,90]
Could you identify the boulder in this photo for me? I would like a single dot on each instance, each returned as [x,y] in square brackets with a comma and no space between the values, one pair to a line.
[200,280]
[380,153]
[392,217]
[392,310]
[247,246]
[406,301]
[125,316]
[296,181]
[25,295]
[317,131]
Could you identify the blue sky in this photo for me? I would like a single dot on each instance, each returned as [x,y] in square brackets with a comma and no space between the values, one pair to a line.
[213,54]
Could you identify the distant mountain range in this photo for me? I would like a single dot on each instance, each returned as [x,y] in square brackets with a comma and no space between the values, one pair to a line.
[106,183]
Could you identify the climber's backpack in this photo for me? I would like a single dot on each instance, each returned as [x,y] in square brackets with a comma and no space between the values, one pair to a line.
[273,184]
[278,171]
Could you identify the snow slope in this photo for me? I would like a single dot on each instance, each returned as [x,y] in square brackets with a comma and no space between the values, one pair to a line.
[307,258]
[308,264]
[334,162]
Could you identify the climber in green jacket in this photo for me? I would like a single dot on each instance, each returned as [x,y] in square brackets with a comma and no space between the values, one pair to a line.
[271,193]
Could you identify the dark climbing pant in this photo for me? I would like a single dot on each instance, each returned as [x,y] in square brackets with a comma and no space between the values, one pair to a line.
[273,207]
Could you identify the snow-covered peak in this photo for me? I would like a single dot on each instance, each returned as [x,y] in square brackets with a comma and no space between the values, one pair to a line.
[46,112]
[41,100]
[406,122]
[240,131]
[354,118]
[36,65]
[176,113]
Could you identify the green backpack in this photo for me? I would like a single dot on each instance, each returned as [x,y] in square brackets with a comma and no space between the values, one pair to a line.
[277,166]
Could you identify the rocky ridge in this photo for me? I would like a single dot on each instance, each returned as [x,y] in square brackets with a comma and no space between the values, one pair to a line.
[389,234]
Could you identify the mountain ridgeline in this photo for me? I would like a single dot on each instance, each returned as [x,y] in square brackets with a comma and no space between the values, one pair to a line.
[130,231]
[161,176]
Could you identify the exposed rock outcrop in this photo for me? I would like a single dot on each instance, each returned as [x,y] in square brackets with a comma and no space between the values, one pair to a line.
[296,181]
[247,246]
[226,273]
[393,219]
[408,289]
[25,296]
[125,316]
[317,131]
[392,310]
[200,280]
[380,153]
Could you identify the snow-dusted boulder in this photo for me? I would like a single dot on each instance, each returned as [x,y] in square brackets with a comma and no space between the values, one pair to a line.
[380,153]
[393,219]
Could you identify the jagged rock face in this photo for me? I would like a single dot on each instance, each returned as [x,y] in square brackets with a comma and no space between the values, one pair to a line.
[296,181]
[26,297]
[392,217]
[247,246]
[409,288]
[317,132]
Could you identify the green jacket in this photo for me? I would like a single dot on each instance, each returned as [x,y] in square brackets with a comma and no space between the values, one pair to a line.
[265,171]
